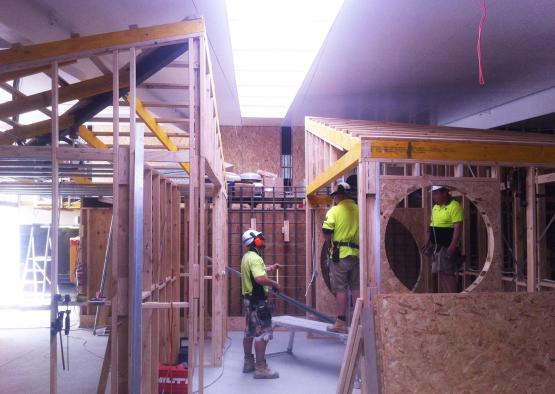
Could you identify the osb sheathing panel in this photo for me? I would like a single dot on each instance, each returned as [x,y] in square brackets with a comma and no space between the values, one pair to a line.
[325,300]
[297,155]
[483,193]
[467,343]
[252,148]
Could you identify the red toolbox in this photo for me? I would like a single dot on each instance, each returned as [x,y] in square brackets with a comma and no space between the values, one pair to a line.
[172,379]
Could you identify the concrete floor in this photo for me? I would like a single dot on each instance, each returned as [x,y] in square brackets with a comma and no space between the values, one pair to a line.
[312,369]
[25,356]
[24,361]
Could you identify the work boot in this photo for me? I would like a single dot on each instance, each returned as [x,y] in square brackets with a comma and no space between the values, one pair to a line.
[248,364]
[263,372]
[339,326]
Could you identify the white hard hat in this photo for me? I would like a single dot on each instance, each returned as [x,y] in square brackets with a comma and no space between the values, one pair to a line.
[249,236]
[438,187]
[342,188]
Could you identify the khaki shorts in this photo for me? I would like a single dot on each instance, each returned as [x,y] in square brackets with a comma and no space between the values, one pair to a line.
[442,262]
[345,274]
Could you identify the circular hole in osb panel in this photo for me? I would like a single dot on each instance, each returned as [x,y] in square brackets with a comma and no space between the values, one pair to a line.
[402,253]
[407,230]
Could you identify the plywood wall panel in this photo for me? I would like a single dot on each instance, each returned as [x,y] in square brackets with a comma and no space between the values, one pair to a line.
[467,343]
[252,148]
[297,152]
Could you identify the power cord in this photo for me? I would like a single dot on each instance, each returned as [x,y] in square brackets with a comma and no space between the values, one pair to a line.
[223,367]
[84,344]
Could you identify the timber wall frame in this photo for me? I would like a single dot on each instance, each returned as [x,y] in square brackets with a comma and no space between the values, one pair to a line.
[337,147]
[149,204]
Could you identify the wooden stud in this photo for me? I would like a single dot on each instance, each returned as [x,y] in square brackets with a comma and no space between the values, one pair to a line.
[531,230]
[158,131]
[346,163]
[115,233]
[17,74]
[90,138]
[105,370]
[156,262]
[146,340]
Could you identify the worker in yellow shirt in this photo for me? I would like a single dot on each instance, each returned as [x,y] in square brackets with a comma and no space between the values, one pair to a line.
[254,287]
[340,230]
[444,236]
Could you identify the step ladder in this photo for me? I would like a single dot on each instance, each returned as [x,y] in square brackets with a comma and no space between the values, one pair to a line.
[34,271]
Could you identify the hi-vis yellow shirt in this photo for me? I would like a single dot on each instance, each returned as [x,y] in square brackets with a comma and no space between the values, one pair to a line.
[343,220]
[447,215]
[253,264]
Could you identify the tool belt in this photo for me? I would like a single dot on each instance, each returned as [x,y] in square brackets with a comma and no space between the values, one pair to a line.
[349,244]
[334,250]
[264,311]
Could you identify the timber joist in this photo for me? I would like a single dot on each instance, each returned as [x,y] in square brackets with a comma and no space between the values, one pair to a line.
[75,48]
[403,143]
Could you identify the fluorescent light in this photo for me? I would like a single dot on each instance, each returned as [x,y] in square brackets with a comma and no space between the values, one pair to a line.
[274,43]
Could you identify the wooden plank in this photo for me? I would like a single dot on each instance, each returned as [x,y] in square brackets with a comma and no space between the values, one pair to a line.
[445,151]
[163,251]
[335,137]
[176,284]
[194,206]
[158,131]
[73,48]
[100,65]
[17,74]
[164,86]
[87,154]
[211,174]
[78,90]
[545,178]
[156,261]
[346,163]
[166,305]
[352,352]
[531,230]
[159,120]
[26,152]
[90,138]
[115,226]
[105,370]
[386,130]
[369,369]
[162,156]
[162,104]
[146,338]
[34,129]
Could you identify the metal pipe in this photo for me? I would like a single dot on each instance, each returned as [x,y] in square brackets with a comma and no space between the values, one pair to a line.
[321,316]
[54,232]
[136,155]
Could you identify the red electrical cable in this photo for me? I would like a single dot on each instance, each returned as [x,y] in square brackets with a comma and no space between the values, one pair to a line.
[481,78]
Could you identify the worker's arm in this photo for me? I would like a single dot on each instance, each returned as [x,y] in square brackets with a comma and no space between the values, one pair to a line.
[263,280]
[456,238]
[329,225]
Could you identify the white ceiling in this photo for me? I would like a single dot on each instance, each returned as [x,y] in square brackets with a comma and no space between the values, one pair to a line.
[397,60]
[415,61]
[35,21]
